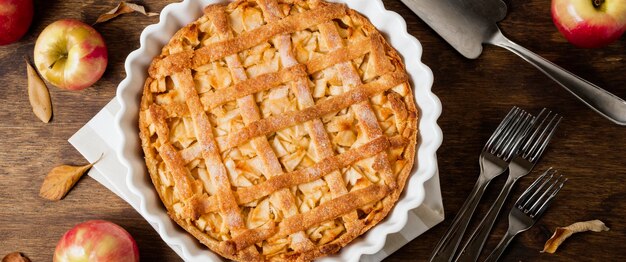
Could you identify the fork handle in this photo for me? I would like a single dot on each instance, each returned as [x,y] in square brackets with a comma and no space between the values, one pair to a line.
[445,249]
[600,100]
[497,252]
[471,250]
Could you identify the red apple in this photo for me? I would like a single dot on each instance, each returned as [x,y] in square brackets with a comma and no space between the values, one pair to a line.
[96,240]
[15,18]
[70,54]
[590,23]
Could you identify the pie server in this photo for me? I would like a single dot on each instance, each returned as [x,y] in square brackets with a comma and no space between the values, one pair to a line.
[467,24]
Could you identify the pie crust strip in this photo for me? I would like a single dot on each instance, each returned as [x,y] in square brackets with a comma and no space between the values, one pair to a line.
[286,203]
[173,160]
[228,207]
[248,87]
[296,71]
[326,211]
[309,174]
[212,52]
[333,104]
[350,52]
[363,110]
[315,127]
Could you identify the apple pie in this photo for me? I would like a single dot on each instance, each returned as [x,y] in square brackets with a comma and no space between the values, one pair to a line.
[278,129]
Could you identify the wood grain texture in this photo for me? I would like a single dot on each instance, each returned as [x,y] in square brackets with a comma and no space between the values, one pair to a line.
[475,94]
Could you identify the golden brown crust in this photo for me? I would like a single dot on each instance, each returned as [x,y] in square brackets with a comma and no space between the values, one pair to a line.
[223,161]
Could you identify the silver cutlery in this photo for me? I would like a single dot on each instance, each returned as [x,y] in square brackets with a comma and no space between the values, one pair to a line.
[531,150]
[467,24]
[493,160]
[529,208]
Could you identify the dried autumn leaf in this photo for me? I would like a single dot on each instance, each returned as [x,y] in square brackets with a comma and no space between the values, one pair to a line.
[123,8]
[563,233]
[61,179]
[38,95]
[15,257]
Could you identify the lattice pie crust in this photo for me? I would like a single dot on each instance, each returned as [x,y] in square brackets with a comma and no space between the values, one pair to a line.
[278,129]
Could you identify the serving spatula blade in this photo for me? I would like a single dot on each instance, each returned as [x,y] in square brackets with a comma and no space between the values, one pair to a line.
[464,24]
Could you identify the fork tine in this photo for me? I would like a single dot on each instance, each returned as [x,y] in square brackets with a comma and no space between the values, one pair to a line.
[535,187]
[540,199]
[520,132]
[533,198]
[508,141]
[531,138]
[537,137]
[548,201]
[502,128]
[503,124]
[536,143]
[530,189]
[546,137]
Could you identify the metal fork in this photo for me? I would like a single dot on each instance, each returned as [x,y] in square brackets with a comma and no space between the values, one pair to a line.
[493,160]
[529,208]
[532,148]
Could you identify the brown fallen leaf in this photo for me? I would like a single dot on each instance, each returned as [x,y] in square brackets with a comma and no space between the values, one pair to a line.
[563,233]
[61,179]
[123,8]
[38,94]
[15,257]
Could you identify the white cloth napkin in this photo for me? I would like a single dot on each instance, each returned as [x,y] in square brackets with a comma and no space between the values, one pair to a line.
[97,136]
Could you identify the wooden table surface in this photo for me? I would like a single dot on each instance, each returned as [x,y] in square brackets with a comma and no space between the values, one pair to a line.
[475,95]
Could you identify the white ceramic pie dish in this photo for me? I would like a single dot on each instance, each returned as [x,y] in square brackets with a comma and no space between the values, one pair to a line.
[175,16]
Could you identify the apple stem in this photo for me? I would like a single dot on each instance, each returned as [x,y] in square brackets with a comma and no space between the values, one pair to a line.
[55,61]
[597,3]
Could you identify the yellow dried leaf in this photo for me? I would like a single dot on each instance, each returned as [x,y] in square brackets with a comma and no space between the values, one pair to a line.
[123,8]
[15,257]
[38,95]
[61,179]
[563,233]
